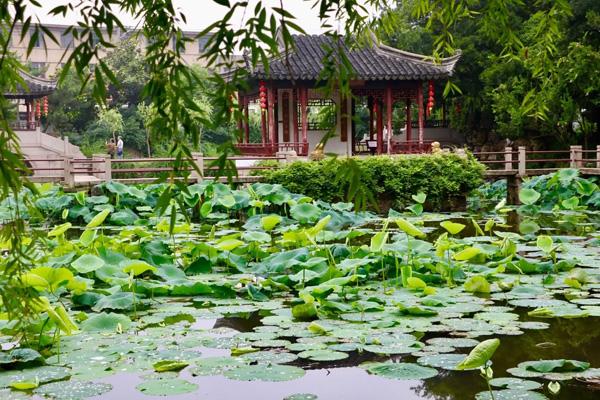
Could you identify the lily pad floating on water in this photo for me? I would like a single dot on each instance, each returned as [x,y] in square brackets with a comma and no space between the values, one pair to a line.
[511,394]
[104,322]
[270,373]
[515,384]
[21,356]
[166,387]
[323,355]
[301,396]
[402,371]
[169,365]
[555,370]
[269,357]
[73,390]
[444,361]
[216,365]
[44,374]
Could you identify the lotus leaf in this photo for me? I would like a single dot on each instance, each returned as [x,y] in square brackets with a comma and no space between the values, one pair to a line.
[87,263]
[323,355]
[169,365]
[511,394]
[271,373]
[452,227]
[106,323]
[305,213]
[98,219]
[166,387]
[73,390]
[515,383]
[480,355]
[402,371]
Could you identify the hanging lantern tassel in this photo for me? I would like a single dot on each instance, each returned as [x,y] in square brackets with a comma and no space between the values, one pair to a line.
[262,93]
[46,106]
[430,101]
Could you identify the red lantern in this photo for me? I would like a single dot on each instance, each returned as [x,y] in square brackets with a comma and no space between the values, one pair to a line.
[262,94]
[38,111]
[45,106]
[430,101]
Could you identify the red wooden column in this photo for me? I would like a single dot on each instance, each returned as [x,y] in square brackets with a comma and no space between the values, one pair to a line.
[271,112]
[389,105]
[246,121]
[420,104]
[294,101]
[303,105]
[408,121]
[371,119]
[379,112]
[263,125]
[240,122]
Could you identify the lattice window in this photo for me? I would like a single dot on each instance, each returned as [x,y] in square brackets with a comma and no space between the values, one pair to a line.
[321,114]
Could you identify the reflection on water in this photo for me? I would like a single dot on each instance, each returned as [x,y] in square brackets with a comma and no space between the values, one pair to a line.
[575,339]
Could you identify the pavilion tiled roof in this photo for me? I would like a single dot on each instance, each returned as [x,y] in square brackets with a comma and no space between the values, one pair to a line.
[34,87]
[370,62]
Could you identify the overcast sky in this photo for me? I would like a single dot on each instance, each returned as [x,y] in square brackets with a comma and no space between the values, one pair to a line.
[201,13]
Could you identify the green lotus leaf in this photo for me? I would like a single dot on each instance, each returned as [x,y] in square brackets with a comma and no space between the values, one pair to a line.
[169,365]
[87,263]
[104,322]
[561,365]
[477,284]
[269,222]
[98,219]
[73,390]
[256,236]
[60,229]
[515,383]
[409,228]
[467,254]
[323,355]
[528,196]
[452,227]
[116,301]
[271,373]
[18,357]
[43,374]
[402,371]
[305,213]
[480,355]
[166,387]
[511,394]
[136,267]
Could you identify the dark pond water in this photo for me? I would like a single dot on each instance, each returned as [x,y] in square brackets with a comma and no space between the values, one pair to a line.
[575,339]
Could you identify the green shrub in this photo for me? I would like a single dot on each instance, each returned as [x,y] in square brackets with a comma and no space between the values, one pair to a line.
[391,180]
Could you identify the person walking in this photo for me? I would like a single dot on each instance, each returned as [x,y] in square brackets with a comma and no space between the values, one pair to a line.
[120,147]
[111,148]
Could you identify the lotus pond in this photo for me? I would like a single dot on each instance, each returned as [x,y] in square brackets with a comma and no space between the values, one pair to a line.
[259,293]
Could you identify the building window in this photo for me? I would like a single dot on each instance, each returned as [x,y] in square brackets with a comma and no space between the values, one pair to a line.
[202,42]
[92,67]
[95,39]
[39,40]
[37,68]
[66,40]
[321,115]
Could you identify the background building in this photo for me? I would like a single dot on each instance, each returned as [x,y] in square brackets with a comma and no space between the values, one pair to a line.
[46,59]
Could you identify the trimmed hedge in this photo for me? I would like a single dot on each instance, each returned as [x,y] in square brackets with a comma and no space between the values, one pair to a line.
[445,178]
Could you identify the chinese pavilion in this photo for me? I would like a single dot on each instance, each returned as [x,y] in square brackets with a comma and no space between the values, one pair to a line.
[384,78]
[33,96]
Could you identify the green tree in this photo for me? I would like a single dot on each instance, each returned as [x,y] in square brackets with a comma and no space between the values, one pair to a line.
[112,120]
